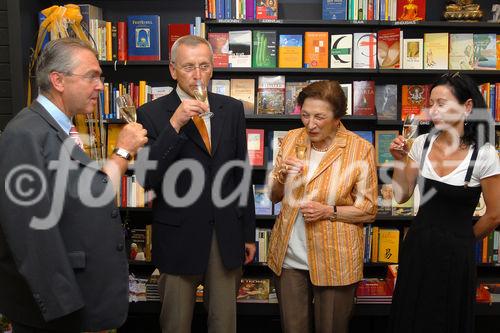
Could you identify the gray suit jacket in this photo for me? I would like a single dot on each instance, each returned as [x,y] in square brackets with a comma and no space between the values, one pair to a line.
[74,275]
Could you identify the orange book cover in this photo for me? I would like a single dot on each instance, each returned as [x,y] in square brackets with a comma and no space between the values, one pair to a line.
[497,102]
[498,52]
[316,49]
[411,10]
[414,99]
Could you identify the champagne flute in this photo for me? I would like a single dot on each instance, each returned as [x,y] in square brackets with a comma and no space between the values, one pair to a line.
[410,127]
[127,108]
[200,93]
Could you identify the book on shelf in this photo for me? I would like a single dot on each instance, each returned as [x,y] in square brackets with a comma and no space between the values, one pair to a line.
[222,87]
[494,291]
[413,53]
[385,199]
[220,47]
[271,95]
[266,9]
[262,236]
[373,291]
[277,208]
[255,146]
[365,50]
[367,135]
[415,100]
[254,290]
[290,51]
[122,40]
[389,48]
[485,56]
[275,139]
[315,49]
[263,205]
[386,101]
[411,11]
[176,31]
[363,98]
[498,51]
[143,37]
[264,49]
[383,141]
[436,50]
[341,51]
[244,90]
[461,52]
[404,208]
[140,244]
[334,10]
[347,89]
[240,49]
[388,243]
[292,91]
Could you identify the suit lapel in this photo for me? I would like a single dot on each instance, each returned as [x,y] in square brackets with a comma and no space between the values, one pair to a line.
[334,152]
[216,122]
[73,150]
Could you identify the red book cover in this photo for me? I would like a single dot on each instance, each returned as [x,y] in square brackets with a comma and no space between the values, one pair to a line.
[414,99]
[411,10]
[220,47]
[122,41]
[176,31]
[123,192]
[267,9]
[364,98]
[376,288]
[255,146]
[388,48]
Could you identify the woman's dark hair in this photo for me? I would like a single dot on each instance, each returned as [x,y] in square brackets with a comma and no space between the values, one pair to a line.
[328,91]
[464,88]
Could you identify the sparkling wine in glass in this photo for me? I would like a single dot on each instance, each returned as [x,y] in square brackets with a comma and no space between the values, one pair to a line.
[300,152]
[410,128]
[127,108]
[200,93]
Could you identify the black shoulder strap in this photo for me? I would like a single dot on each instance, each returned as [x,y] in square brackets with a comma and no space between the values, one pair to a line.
[472,162]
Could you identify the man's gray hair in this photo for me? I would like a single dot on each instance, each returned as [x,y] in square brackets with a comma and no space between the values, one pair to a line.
[57,56]
[189,40]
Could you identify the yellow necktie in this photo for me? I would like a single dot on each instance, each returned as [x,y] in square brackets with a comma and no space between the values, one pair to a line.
[202,128]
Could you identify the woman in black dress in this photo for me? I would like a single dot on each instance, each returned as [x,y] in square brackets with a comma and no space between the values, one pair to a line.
[435,289]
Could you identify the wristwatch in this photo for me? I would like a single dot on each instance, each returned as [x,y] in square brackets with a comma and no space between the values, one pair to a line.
[123,153]
[333,217]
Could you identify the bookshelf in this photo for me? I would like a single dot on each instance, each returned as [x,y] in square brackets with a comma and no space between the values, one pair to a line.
[296,20]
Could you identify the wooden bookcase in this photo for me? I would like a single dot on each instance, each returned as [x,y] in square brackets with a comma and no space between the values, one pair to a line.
[296,16]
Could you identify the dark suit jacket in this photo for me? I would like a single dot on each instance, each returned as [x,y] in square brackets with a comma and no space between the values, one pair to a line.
[73,276]
[182,235]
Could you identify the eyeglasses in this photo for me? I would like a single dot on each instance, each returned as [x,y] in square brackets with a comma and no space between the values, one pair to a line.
[89,77]
[190,68]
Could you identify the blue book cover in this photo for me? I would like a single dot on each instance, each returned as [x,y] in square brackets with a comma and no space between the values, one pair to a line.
[334,9]
[143,37]
[46,39]
[263,205]
[367,135]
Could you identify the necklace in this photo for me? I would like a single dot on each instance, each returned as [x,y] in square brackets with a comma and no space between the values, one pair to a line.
[322,150]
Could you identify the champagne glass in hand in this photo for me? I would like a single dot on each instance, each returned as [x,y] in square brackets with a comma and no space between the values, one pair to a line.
[200,93]
[127,108]
[410,127]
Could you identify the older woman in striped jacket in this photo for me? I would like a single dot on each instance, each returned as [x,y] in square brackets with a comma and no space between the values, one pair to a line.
[326,180]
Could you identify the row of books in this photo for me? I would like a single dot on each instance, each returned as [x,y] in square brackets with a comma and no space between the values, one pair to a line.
[384,10]
[139,241]
[131,194]
[262,236]
[381,244]
[385,49]
[487,249]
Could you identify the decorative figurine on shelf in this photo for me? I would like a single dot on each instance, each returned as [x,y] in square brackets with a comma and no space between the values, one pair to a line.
[462,10]
[495,13]
[410,12]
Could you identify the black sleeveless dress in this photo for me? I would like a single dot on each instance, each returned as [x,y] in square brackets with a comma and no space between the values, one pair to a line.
[436,284]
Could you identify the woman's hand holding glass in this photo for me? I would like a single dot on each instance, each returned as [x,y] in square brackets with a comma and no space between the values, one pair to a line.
[399,149]
[289,166]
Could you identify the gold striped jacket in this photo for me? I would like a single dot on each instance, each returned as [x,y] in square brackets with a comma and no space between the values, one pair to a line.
[346,176]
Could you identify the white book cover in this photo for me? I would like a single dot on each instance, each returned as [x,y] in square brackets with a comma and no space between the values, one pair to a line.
[157,92]
[413,53]
[240,49]
[461,51]
[222,87]
[341,51]
[365,50]
[347,88]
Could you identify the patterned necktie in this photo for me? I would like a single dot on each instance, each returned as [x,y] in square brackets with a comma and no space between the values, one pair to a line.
[73,133]
[202,128]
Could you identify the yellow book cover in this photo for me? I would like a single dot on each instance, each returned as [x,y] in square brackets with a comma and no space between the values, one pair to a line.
[113,131]
[290,51]
[142,92]
[149,242]
[109,38]
[498,51]
[316,49]
[388,245]
[436,50]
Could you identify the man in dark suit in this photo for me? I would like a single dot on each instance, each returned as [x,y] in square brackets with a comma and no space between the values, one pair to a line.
[62,262]
[195,238]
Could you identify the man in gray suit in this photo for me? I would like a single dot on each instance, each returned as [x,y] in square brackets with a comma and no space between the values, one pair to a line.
[62,262]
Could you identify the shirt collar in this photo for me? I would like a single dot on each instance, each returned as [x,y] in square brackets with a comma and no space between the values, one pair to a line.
[62,119]
[182,94]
